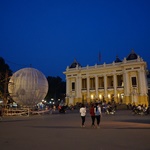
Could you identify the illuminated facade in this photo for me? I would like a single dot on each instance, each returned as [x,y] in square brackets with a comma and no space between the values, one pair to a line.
[122,81]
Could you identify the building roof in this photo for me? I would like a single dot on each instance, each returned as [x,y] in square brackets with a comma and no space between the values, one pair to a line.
[117,60]
[74,64]
[132,56]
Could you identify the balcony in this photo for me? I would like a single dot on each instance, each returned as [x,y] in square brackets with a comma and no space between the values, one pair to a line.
[92,89]
[120,87]
[84,89]
[110,88]
[101,88]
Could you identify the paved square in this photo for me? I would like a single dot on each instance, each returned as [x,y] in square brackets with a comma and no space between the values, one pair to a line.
[122,131]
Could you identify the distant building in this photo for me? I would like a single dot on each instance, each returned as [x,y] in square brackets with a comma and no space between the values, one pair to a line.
[148,80]
[122,81]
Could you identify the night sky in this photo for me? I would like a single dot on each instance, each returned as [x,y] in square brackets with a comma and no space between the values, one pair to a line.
[49,34]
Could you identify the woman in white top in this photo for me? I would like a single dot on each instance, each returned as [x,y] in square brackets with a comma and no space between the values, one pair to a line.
[83,114]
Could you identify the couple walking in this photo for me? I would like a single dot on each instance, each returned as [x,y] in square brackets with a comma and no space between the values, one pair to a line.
[95,112]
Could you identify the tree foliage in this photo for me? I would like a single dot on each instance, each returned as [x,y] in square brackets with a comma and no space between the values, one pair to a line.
[57,88]
[5,73]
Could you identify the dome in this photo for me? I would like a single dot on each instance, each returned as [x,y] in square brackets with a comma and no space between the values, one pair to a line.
[74,64]
[132,56]
[117,60]
[28,86]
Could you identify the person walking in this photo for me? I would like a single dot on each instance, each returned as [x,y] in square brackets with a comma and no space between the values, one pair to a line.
[1,112]
[92,115]
[98,114]
[83,114]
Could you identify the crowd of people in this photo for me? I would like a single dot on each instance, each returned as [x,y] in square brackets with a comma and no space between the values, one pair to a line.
[95,110]
[140,109]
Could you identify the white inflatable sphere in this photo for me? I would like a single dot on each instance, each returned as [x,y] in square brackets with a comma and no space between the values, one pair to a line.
[28,86]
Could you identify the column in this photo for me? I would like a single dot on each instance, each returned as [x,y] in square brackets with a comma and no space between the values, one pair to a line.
[79,86]
[127,91]
[67,90]
[96,86]
[88,87]
[140,86]
[105,86]
[142,82]
[126,83]
[67,86]
[115,85]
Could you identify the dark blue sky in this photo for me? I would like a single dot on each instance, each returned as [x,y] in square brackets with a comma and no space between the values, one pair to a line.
[49,34]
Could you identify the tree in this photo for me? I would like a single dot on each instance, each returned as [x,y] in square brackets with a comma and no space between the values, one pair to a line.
[5,73]
[57,88]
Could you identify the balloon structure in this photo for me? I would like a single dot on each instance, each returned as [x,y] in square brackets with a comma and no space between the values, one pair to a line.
[28,86]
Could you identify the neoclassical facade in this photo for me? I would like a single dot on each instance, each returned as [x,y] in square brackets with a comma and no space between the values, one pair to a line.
[122,81]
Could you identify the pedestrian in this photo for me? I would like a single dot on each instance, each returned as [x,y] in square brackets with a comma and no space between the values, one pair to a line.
[92,115]
[1,112]
[98,114]
[83,114]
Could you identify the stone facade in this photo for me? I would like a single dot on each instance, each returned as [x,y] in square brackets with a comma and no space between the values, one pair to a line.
[122,81]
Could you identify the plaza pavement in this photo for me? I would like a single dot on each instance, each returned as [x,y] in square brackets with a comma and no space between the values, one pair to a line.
[122,131]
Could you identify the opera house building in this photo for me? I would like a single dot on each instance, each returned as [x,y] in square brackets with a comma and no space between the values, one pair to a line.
[123,81]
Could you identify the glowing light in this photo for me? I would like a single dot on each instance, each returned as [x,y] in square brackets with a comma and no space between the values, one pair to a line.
[100,96]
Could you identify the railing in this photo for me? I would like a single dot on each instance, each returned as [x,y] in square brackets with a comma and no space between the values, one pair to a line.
[15,111]
[120,86]
[104,65]
[101,88]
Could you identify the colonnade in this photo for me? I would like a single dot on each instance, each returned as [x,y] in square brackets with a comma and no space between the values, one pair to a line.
[107,92]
